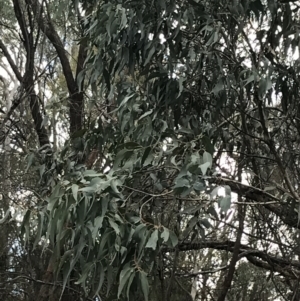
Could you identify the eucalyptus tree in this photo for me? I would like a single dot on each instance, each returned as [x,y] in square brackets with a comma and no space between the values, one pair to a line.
[40,62]
[196,86]
[180,176]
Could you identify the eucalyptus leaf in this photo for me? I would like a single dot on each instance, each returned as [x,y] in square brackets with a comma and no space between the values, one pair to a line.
[144,284]
[124,277]
[225,203]
[204,167]
[165,234]
[75,191]
[152,241]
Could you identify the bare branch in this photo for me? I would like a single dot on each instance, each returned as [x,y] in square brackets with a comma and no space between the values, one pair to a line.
[11,62]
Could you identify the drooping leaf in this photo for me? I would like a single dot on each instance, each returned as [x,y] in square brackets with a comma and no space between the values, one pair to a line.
[165,234]
[225,203]
[144,284]
[207,158]
[204,167]
[124,277]
[152,242]
[173,239]
[75,191]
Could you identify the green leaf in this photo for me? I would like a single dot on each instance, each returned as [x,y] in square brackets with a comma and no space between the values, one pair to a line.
[190,225]
[249,79]
[123,19]
[173,239]
[207,157]
[227,190]
[139,231]
[182,182]
[114,226]
[165,234]
[124,277]
[211,210]
[101,279]
[121,157]
[206,223]
[39,228]
[204,167]
[298,214]
[67,271]
[144,284]
[152,242]
[75,191]
[86,270]
[180,83]
[129,284]
[131,145]
[199,186]
[104,205]
[25,224]
[218,88]
[91,173]
[269,188]
[114,183]
[30,159]
[110,278]
[150,54]
[88,189]
[146,114]
[264,85]
[125,100]
[214,192]
[225,203]
[97,225]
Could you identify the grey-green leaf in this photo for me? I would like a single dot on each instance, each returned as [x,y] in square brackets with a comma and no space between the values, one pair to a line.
[225,203]
[75,191]
[124,276]
[173,239]
[207,157]
[152,242]
[204,167]
[144,284]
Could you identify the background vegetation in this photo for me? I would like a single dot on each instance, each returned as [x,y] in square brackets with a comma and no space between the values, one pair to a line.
[149,150]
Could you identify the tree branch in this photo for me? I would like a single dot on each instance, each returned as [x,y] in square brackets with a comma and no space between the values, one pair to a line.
[286,213]
[10,61]
[269,262]
[236,249]
[76,103]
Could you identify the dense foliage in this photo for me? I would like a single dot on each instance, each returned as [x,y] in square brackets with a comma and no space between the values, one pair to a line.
[150,150]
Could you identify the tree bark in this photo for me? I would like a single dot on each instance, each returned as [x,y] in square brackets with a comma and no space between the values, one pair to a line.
[76,104]
[235,255]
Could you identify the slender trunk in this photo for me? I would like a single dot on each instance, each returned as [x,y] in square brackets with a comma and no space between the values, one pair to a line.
[76,97]
[235,256]
[4,236]
[195,281]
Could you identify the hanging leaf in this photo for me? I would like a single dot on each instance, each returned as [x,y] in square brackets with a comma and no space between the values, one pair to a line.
[225,203]
[150,54]
[165,235]
[207,158]
[173,239]
[180,83]
[204,167]
[75,191]
[144,284]
[227,189]
[152,242]
[124,277]
[114,226]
